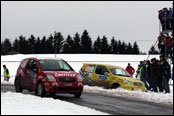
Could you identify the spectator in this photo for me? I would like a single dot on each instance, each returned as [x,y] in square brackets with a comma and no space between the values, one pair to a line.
[166,74]
[169,44]
[164,15]
[154,74]
[161,44]
[130,69]
[159,83]
[148,73]
[170,19]
[6,73]
[143,74]
[138,72]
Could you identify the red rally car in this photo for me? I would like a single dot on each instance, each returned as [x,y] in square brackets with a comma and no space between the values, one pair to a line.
[47,76]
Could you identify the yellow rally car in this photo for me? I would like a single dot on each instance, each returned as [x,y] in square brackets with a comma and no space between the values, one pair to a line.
[109,76]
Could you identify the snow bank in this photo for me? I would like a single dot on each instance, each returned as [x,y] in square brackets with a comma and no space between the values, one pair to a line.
[20,104]
[136,95]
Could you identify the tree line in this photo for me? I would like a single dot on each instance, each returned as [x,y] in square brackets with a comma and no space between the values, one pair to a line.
[56,43]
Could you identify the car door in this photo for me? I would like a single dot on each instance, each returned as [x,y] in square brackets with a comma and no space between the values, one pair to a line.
[23,71]
[88,71]
[31,73]
[102,75]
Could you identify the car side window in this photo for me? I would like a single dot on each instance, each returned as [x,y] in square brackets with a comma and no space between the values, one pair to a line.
[89,68]
[101,70]
[23,64]
[31,65]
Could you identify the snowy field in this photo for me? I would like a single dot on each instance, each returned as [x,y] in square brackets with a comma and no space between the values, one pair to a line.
[51,106]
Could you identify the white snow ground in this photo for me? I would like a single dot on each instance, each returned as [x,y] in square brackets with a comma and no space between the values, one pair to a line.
[20,104]
[16,103]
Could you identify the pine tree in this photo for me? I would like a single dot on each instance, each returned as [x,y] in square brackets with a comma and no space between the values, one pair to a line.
[97,46]
[50,44]
[23,45]
[43,45]
[59,42]
[68,45]
[129,48]
[114,46]
[31,43]
[16,45]
[105,49]
[38,46]
[119,47]
[86,43]
[77,45]
[6,46]
[135,49]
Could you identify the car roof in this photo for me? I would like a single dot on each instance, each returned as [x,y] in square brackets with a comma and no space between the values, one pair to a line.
[42,58]
[112,66]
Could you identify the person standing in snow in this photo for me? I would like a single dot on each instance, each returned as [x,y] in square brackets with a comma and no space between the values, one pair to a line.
[6,73]
[130,69]
[154,74]
[143,74]
[166,74]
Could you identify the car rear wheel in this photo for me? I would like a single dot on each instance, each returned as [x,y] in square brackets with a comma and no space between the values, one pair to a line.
[40,90]
[115,86]
[18,87]
[77,95]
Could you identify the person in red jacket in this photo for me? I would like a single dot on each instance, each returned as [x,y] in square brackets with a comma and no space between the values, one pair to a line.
[130,69]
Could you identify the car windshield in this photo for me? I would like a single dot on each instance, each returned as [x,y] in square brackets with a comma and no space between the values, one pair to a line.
[54,65]
[120,72]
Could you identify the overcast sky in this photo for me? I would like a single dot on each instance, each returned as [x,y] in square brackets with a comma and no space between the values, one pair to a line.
[126,21]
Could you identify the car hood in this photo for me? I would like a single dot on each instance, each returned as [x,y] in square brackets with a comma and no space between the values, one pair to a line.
[61,73]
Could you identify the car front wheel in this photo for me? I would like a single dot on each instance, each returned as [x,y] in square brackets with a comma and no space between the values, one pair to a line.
[18,87]
[77,95]
[40,90]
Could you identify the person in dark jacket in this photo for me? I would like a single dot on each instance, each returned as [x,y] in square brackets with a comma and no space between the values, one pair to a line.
[160,76]
[166,74]
[148,74]
[154,74]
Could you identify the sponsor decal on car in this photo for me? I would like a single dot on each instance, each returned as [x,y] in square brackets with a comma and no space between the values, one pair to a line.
[104,77]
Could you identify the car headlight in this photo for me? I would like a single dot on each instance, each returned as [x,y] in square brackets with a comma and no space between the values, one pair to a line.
[51,78]
[127,82]
[79,77]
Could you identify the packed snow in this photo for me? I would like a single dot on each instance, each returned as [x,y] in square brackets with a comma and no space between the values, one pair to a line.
[20,104]
[28,104]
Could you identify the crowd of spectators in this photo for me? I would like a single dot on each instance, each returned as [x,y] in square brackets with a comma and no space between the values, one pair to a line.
[155,74]
[166,18]
[165,45]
